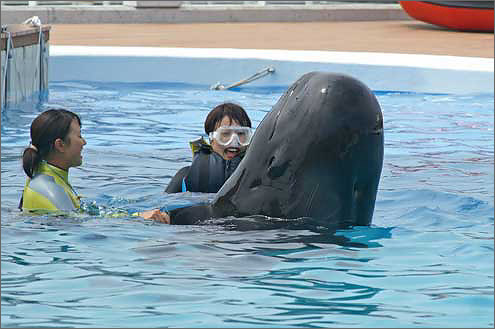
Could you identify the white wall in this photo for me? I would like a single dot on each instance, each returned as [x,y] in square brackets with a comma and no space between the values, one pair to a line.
[380,71]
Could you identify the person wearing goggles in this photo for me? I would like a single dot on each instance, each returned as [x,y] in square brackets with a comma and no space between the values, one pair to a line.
[229,141]
[226,135]
[229,130]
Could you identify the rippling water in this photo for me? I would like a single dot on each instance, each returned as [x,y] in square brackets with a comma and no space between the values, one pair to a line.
[427,260]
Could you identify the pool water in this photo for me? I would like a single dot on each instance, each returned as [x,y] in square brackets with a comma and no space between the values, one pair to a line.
[426,261]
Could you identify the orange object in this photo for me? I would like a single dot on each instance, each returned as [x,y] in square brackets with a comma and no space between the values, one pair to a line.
[456,15]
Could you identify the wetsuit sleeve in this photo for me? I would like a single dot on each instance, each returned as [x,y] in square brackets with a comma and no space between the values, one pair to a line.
[190,215]
[175,185]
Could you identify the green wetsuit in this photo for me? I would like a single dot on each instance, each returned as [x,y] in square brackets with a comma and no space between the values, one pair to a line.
[49,190]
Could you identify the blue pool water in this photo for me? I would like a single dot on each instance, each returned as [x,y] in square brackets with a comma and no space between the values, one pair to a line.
[426,261]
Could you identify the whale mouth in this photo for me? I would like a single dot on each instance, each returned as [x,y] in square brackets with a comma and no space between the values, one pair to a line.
[232,152]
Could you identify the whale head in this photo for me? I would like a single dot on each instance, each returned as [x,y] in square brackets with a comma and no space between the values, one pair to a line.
[318,153]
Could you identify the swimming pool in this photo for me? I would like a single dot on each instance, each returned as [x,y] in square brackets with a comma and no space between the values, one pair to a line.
[427,260]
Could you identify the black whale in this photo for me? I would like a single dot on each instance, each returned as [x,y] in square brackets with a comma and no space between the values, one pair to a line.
[317,154]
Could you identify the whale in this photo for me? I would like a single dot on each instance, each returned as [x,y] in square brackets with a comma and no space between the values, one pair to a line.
[318,155]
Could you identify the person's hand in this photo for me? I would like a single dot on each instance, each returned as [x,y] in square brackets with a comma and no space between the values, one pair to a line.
[156,215]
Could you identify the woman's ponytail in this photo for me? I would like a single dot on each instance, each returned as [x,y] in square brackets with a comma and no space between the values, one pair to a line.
[31,159]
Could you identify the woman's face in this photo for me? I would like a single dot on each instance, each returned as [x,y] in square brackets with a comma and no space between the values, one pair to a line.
[228,152]
[74,145]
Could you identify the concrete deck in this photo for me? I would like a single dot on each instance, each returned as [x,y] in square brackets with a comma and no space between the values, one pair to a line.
[404,36]
[124,14]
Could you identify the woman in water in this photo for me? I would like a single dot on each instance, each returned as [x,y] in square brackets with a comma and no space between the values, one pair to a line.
[56,145]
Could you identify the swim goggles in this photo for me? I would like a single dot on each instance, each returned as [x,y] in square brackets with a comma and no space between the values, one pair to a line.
[225,135]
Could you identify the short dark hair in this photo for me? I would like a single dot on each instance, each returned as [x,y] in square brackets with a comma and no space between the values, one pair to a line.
[45,129]
[233,111]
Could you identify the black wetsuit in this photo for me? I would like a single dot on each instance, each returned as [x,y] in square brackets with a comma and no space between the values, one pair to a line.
[207,173]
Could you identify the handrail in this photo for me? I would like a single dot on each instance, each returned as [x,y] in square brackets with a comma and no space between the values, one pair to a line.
[5,71]
[256,76]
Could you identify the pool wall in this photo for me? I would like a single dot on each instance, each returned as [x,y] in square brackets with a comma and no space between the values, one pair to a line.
[380,71]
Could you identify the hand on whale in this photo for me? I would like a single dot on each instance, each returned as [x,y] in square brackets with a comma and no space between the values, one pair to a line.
[318,154]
